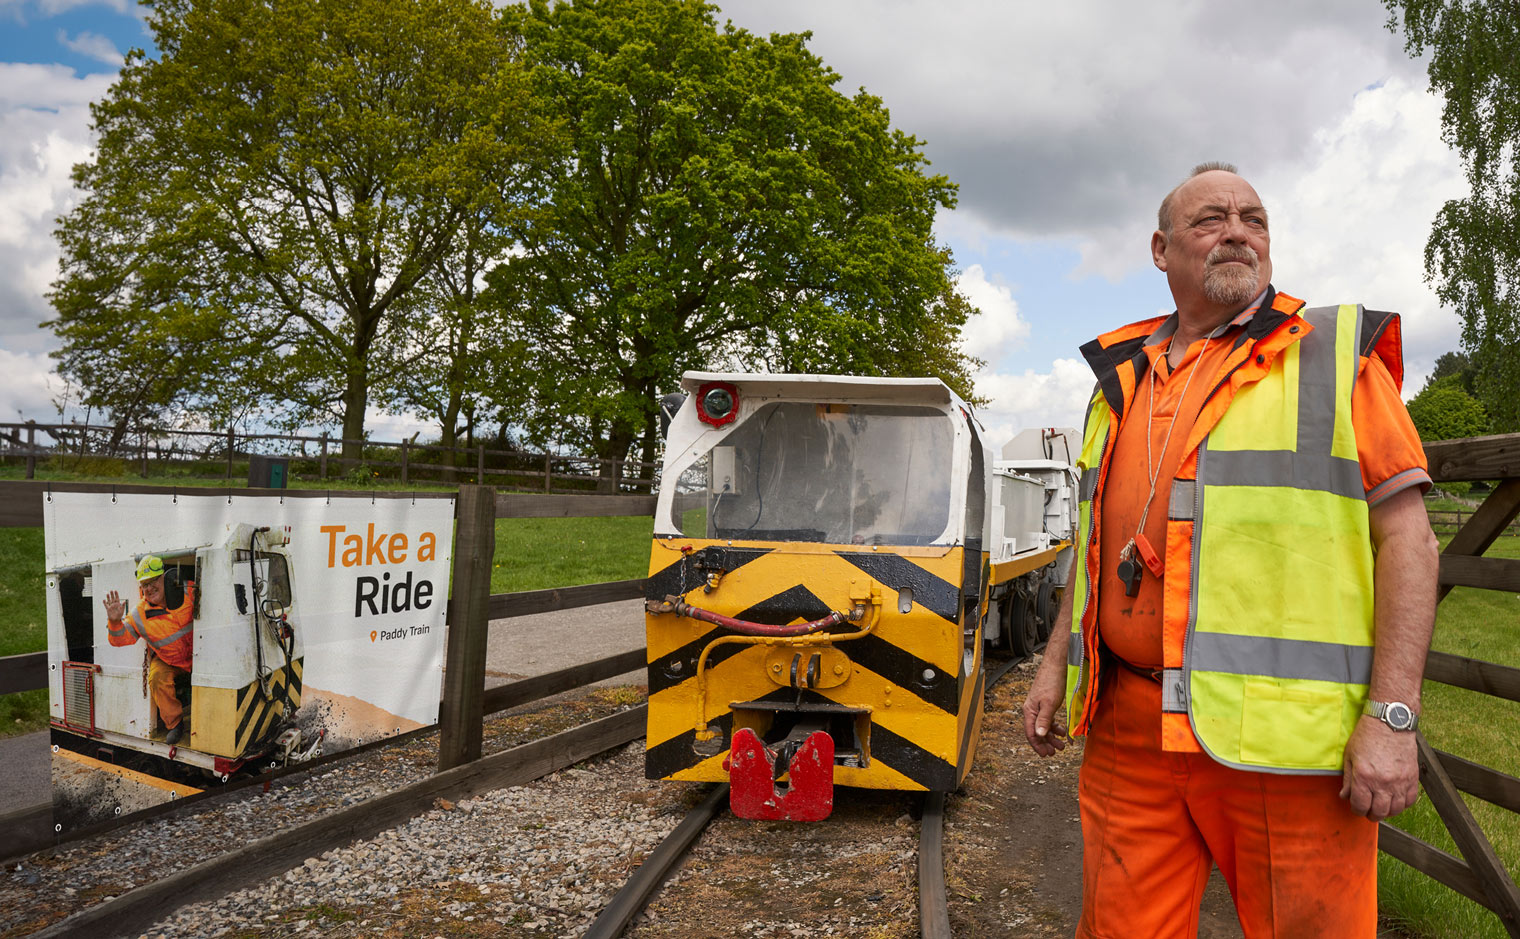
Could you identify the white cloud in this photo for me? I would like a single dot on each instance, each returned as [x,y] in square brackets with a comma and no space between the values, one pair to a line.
[92,45]
[1062,119]
[1349,223]
[391,428]
[44,131]
[21,11]
[54,7]
[1057,398]
[29,387]
[997,326]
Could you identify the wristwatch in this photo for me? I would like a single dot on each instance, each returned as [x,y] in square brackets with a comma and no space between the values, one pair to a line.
[1396,714]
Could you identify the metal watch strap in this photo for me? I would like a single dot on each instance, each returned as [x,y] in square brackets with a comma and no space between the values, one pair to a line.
[1393,713]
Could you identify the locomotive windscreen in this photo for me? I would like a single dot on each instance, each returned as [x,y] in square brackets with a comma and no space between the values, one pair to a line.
[832,473]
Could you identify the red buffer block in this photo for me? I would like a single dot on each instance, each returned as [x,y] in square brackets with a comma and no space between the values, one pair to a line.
[752,788]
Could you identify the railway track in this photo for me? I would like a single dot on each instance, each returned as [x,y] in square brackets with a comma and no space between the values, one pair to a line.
[934,920]
[872,814]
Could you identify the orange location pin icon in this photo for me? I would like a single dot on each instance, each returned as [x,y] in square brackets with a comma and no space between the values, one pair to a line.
[372,635]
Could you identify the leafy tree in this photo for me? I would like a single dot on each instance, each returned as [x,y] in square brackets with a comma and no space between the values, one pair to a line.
[719,203]
[1452,364]
[1444,411]
[269,193]
[1474,248]
[458,356]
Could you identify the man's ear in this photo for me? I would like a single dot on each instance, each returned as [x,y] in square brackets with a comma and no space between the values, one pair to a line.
[1158,250]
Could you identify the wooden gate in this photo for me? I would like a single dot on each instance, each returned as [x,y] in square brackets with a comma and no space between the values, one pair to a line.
[1478,874]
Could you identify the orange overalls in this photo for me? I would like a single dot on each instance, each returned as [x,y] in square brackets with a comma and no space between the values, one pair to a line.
[1156,811]
[170,635]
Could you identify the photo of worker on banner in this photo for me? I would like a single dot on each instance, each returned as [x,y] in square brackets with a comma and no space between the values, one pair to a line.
[193,639]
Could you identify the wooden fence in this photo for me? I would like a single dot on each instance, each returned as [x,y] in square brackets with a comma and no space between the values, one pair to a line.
[1451,521]
[1479,874]
[225,455]
[465,699]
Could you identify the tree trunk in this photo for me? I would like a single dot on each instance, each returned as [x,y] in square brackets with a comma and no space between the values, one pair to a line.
[355,399]
[612,451]
[650,446]
[448,438]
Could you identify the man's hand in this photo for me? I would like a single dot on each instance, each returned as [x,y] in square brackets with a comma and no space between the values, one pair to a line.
[1381,776]
[1046,694]
[116,607]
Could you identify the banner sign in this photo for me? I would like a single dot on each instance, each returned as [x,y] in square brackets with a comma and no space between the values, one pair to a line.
[196,637]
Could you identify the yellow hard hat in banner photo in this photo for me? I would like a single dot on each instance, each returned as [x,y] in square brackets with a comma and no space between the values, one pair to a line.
[150,567]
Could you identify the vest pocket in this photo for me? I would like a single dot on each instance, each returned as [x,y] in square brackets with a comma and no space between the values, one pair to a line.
[1291,726]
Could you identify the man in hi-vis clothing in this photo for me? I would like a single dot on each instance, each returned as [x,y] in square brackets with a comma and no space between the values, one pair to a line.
[169,634]
[1245,627]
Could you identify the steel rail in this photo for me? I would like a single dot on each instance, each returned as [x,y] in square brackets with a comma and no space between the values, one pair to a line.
[933,902]
[136,910]
[933,910]
[634,895]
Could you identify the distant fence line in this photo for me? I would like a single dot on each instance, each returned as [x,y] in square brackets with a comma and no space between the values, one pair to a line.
[224,454]
[1449,521]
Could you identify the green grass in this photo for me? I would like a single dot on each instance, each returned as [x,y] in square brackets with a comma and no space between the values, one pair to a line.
[23,610]
[536,553]
[1480,624]
[23,623]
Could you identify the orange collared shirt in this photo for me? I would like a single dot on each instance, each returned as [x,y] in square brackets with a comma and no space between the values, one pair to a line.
[1388,448]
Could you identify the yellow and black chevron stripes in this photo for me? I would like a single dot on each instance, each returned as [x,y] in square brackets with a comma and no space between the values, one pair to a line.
[906,673]
[258,712]
[232,722]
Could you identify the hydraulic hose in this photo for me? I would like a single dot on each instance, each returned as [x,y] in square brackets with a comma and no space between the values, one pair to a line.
[746,627]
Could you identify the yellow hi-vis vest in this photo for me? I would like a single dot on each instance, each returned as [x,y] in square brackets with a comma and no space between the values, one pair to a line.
[1272,518]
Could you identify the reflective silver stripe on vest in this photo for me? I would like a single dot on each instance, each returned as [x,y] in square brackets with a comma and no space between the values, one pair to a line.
[136,625]
[1074,651]
[1179,505]
[1173,691]
[1317,378]
[166,640]
[1088,485]
[1311,465]
[1318,471]
[1281,658]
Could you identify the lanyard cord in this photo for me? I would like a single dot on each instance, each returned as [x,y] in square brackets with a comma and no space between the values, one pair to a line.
[1153,474]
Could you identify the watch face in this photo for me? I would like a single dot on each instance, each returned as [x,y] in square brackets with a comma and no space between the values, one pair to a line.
[1399,716]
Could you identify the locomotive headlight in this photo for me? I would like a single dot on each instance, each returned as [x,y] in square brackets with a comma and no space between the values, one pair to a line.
[717,403]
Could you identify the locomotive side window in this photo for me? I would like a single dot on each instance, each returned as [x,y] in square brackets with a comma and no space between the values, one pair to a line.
[273,575]
[76,600]
[831,473]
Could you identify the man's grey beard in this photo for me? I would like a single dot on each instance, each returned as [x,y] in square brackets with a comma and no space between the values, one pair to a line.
[1227,284]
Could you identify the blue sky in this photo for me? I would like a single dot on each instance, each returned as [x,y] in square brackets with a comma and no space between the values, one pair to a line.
[1063,124]
[90,38]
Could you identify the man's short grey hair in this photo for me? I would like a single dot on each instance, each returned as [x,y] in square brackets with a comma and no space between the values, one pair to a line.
[1164,214]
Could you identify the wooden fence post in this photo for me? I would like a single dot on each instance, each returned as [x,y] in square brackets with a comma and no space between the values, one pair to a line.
[464,674]
[231,443]
[31,449]
[547,487]
[480,465]
[323,469]
[406,449]
[143,439]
